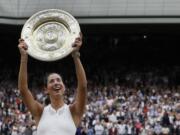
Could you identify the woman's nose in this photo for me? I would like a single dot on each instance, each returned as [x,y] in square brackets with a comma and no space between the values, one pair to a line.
[56,82]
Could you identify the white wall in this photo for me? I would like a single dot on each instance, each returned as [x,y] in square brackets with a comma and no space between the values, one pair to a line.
[115,9]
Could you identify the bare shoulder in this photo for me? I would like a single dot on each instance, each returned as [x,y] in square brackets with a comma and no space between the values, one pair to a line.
[40,106]
[38,114]
[72,109]
[76,116]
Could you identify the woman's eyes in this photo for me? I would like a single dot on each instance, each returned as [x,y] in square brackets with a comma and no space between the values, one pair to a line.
[58,80]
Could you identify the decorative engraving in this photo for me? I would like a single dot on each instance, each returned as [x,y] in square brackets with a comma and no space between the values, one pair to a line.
[50,34]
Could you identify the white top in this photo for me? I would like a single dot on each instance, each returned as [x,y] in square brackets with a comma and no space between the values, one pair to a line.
[99,129]
[58,122]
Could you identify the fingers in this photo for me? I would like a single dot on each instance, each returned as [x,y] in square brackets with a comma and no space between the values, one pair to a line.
[21,40]
[78,41]
[22,44]
[81,35]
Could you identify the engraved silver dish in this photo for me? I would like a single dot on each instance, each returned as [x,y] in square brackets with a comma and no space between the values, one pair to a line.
[49,34]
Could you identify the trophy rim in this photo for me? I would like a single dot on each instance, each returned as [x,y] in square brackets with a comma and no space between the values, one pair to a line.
[29,42]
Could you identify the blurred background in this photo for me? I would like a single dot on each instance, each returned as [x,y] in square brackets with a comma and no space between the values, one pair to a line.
[131,56]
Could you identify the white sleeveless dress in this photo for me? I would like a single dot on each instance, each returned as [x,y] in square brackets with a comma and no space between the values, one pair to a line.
[58,122]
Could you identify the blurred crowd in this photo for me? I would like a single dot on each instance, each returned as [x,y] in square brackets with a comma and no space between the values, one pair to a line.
[120,102]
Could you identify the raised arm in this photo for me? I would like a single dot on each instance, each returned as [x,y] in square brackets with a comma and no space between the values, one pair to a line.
[78,107]
[34,107]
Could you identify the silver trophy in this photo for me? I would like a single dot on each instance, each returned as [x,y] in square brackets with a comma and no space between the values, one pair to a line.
[50,34]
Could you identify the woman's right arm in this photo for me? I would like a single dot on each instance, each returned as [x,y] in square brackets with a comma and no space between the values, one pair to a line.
[33,106]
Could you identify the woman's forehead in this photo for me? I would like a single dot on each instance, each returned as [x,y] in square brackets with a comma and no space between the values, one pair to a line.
[53,76]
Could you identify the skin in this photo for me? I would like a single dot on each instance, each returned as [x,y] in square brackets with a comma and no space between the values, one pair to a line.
[55,86]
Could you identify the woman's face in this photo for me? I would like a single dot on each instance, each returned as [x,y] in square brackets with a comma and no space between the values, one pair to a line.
[55,85]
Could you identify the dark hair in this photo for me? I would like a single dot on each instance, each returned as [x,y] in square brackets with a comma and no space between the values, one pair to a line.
[47,100]
[45,79]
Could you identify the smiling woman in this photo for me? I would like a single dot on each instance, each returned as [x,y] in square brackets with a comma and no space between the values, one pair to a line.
[55,85]
[49,118]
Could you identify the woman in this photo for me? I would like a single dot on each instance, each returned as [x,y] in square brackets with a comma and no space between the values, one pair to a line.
[57,118]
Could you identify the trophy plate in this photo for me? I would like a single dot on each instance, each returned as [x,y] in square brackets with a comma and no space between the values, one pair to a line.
[49,34]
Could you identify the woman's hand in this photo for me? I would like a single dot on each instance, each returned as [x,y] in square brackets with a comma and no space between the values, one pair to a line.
[77,43]
[22,47]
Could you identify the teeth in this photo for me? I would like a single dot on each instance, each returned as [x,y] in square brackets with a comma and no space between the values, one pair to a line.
[57,88]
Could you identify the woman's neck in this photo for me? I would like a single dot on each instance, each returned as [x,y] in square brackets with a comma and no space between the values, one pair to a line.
[57,103]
